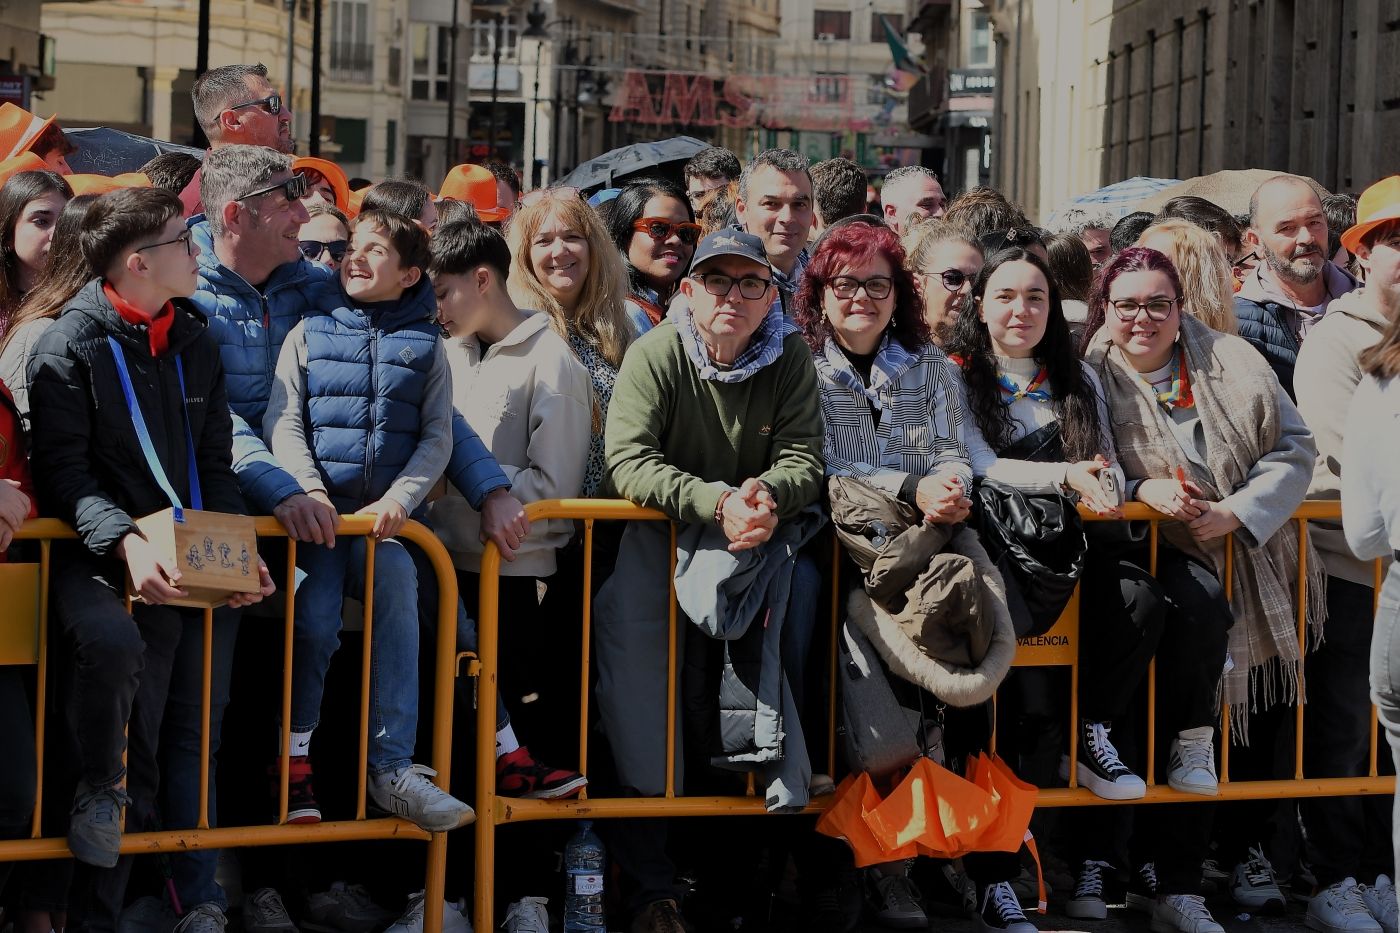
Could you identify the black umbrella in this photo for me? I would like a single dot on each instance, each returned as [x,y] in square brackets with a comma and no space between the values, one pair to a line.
[105,151]
[610,169]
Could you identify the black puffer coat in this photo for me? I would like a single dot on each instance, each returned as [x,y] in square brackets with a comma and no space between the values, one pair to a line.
[88,464]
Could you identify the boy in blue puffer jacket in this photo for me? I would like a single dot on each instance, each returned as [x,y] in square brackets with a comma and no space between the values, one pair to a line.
[361,415]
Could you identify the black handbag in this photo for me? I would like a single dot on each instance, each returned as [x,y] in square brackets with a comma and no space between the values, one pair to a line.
[1037,542]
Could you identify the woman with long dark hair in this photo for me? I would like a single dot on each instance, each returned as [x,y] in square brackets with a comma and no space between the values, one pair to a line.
[30,203]
[1206,436]
[894,421]
[654,229]
[1039,424]
[65,273]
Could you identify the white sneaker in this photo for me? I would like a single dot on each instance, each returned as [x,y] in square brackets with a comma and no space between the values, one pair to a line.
[1380,901]
[1100,769]
[527,915]
[1254,886]
[1183,913]
[454,917]
[408,793]
[1192,769]
[1340,908]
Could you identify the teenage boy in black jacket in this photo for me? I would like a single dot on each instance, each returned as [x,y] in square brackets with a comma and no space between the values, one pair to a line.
[92,472]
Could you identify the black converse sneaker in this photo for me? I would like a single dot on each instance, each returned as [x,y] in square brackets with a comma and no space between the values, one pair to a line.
[1088,902]
[1142,888]
[1099,767]
[1001,911]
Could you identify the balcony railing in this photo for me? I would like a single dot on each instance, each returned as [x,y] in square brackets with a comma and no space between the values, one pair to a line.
[352,61]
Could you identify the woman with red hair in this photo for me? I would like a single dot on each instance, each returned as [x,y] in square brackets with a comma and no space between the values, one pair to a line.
[894,422]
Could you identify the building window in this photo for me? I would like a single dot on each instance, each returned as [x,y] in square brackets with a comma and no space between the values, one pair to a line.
[979,49]
[875,92]
[877,29]
[831,24]
[352,53]
[428,79]
[350,136]
[395,66]
[829,88]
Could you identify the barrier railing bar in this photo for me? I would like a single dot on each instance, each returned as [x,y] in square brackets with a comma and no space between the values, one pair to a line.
[41,681]
[831,671]
[1151,774]
[488,615]
[1302,607]
[368,624]
[207,673]
[1378,582]
[289,602]
[587,651]
[672,686]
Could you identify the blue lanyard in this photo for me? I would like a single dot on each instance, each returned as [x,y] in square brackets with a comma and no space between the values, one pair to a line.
[144,435]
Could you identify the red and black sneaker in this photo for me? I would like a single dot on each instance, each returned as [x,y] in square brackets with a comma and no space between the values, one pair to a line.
[519,775]
[301,799]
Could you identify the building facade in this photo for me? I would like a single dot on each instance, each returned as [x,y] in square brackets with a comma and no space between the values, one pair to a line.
[1095,91]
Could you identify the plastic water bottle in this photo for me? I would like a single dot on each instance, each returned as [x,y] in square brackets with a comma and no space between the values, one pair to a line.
[583,882]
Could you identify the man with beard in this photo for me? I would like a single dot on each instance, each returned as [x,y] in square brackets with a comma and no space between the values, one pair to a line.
[1289,291]
[1349,837]
[237,105]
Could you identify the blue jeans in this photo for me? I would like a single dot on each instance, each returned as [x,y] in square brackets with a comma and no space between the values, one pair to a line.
[332,574]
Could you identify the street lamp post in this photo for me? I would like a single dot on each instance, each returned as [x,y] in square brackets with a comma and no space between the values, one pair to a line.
[452,86]
[538,30]
[495,85]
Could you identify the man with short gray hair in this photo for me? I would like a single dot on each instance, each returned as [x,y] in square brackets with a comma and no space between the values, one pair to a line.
[909,194]
[775,205]
[237,105]
[1094,229]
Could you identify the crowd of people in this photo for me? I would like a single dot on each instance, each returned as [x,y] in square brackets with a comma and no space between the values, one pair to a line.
[769,359]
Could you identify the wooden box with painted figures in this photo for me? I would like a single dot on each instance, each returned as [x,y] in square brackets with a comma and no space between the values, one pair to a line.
[217,553]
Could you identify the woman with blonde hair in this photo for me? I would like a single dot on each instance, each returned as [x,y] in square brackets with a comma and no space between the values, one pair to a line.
[564,263]
[1207,279]
[946,259]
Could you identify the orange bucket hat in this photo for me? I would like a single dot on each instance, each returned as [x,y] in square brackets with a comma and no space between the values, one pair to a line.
[1379,203]
[332,173]
[24,162]
[19,129]
[475,185]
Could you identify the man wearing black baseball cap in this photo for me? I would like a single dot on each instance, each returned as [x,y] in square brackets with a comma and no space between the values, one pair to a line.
[716,421]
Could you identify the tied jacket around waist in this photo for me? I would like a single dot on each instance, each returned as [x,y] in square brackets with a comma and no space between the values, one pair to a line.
[87,461]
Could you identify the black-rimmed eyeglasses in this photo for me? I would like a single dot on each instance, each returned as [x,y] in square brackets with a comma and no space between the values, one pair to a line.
[184,238]
[1158,309]
[751,287]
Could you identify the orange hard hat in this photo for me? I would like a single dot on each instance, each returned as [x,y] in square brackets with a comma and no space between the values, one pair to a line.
[475,185]
[1378,204]
[19,129]
[101,184]
[332,173]
[24,162]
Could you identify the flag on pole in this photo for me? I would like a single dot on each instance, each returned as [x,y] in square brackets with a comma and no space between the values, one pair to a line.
[903,61]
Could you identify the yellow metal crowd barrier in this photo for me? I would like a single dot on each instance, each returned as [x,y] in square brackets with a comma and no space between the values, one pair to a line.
[1058,647]
[24,641]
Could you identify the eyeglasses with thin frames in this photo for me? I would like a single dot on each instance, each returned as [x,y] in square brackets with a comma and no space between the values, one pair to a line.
[952,279]
[294,189]
[751,287]
[1158,309]
[877,287]
[272,103]
[184,238]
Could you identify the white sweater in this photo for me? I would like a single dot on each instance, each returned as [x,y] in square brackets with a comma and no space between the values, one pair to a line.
[529,399]
[1371,469]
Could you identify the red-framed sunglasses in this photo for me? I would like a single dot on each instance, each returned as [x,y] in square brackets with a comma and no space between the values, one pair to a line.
[659,228]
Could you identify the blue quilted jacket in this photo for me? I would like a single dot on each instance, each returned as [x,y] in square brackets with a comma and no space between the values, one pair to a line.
[367,368]
[250,326]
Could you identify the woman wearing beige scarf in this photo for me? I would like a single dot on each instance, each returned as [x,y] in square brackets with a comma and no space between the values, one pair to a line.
[1206,436]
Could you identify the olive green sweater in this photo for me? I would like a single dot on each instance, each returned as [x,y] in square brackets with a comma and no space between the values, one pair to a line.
[675,441]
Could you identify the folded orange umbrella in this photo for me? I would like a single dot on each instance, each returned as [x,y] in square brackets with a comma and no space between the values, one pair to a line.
[848,818]
[1014,801]
[944,815]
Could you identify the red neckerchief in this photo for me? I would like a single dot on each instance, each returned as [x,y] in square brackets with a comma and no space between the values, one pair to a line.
[653,311]
[157,328]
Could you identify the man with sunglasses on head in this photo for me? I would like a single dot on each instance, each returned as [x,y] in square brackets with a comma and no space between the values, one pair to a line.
[236,105]
[716,421]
